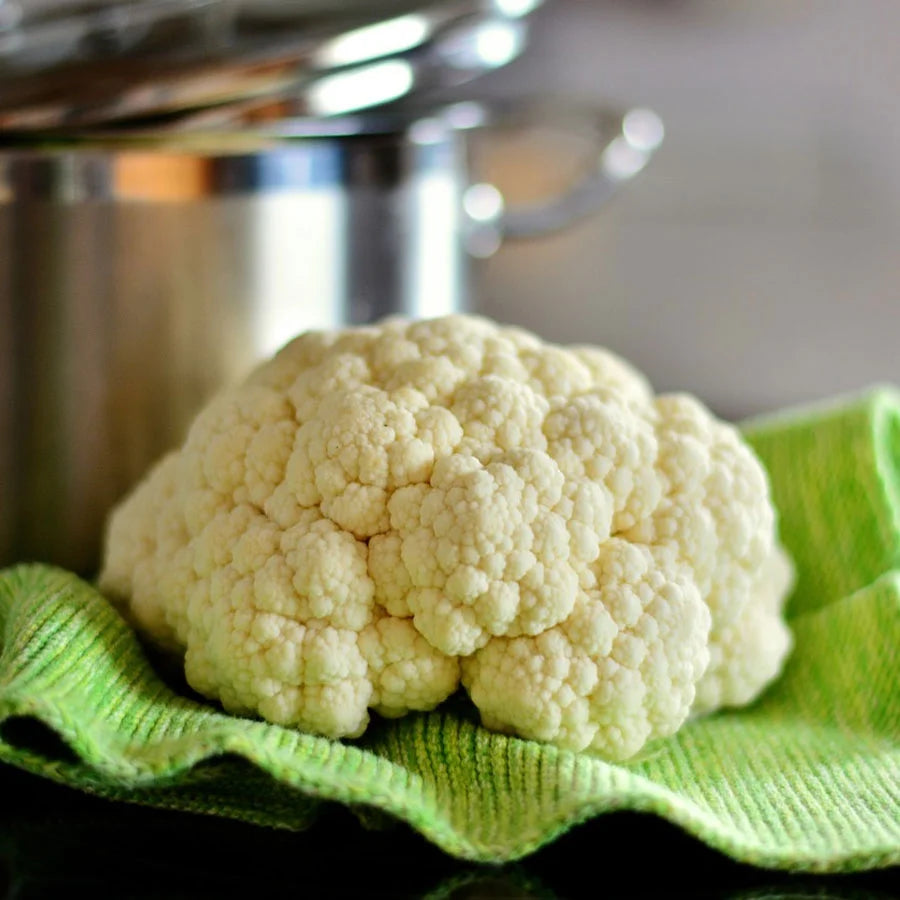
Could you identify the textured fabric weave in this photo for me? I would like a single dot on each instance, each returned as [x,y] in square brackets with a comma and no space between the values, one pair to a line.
[806,779]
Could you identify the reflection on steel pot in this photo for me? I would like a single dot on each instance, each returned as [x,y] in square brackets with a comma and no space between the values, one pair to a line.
[142,272]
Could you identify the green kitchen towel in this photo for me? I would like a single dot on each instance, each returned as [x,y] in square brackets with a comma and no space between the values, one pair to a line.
[806,779]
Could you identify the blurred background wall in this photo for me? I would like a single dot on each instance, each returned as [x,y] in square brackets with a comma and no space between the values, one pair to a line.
[757,260]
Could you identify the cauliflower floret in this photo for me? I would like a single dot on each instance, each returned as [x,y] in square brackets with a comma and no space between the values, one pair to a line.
[141,528]
[497,414]
[282,623]
[597,437]
[715,507]
[407,672]
[378,510]
[620,671]
[487,549]
[748,654]
[363,444]
[716,512]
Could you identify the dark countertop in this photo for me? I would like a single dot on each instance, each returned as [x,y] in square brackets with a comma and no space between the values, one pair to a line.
[54,840]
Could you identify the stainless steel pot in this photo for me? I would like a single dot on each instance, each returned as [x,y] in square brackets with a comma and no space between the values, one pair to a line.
[139,273]
[80,63]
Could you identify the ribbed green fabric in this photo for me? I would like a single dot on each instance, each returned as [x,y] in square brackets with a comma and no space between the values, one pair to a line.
[807,779]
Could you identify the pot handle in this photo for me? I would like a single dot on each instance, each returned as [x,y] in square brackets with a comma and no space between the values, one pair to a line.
[626,141]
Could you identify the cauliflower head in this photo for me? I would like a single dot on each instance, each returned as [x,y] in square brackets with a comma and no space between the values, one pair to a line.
[380,514]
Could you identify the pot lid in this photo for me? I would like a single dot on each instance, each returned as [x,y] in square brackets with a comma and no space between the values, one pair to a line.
[80,63]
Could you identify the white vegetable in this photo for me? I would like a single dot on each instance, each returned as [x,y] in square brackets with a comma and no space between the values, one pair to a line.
[380,510]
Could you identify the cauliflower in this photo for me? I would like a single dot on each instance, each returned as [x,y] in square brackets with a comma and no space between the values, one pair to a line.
[380,514]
